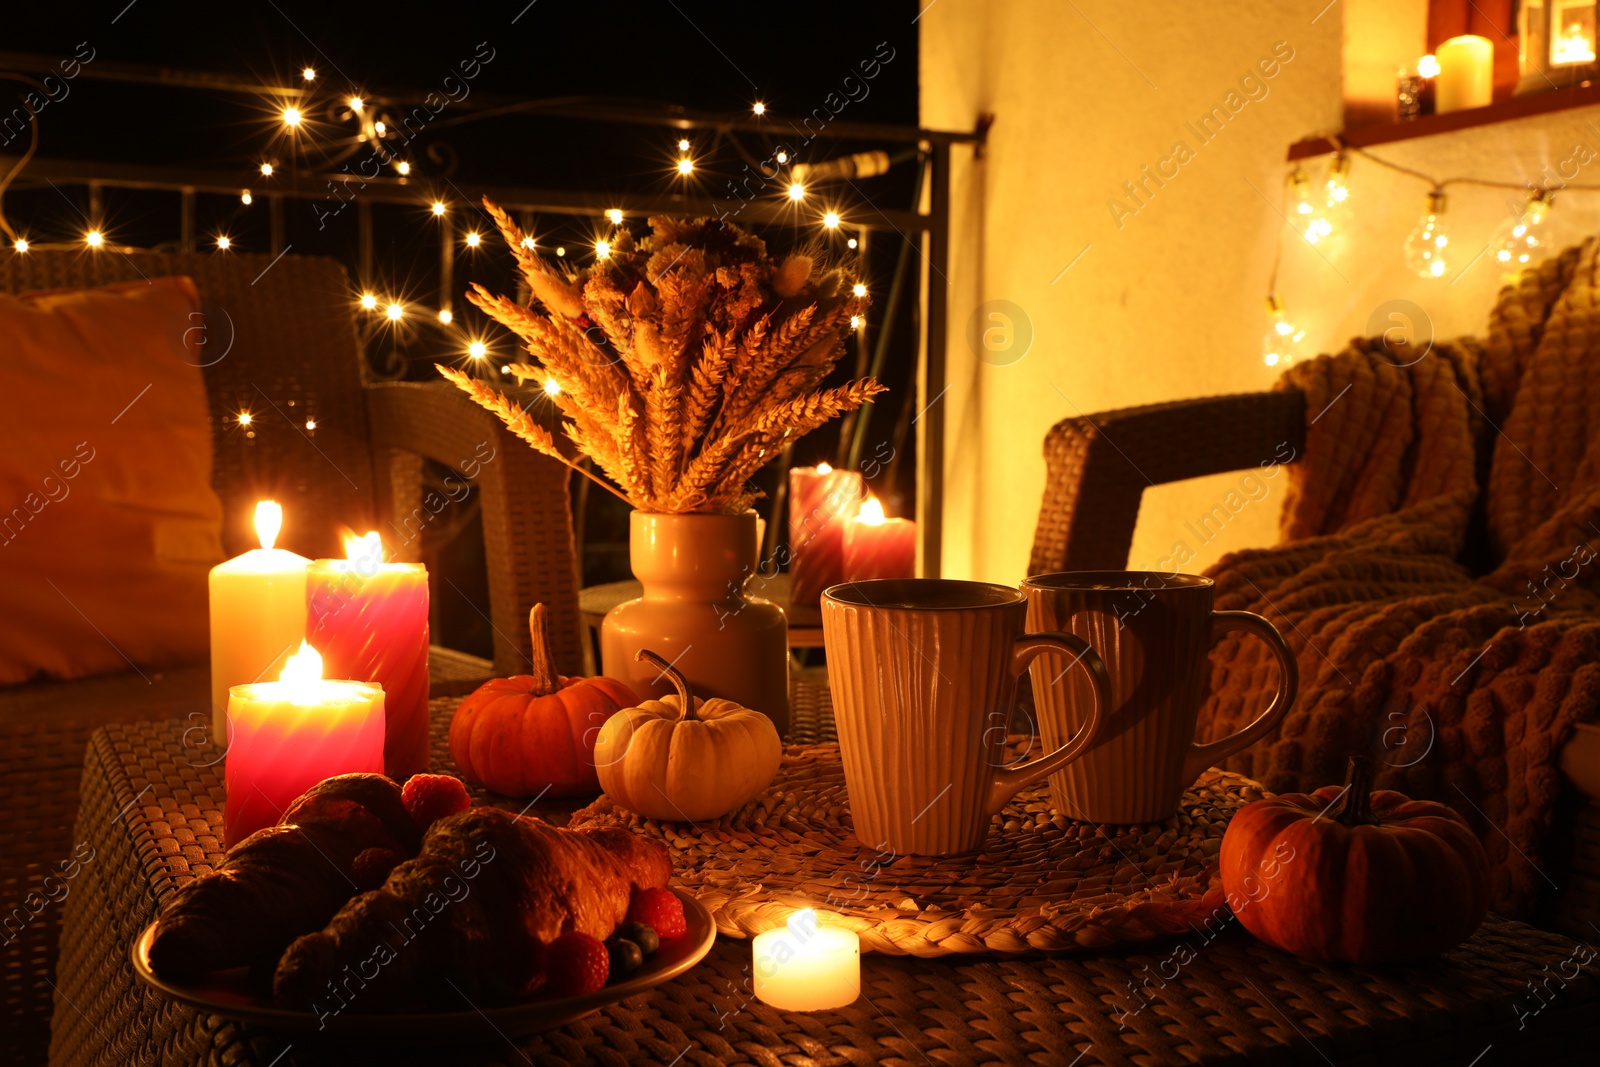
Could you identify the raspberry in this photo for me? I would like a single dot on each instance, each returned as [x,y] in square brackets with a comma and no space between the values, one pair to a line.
[371,868]
[575,964]
[433,796]
[659,909]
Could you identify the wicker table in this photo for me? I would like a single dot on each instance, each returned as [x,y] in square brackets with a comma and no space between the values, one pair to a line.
[149,806]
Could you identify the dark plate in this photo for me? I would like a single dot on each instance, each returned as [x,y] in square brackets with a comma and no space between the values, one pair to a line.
[227,993]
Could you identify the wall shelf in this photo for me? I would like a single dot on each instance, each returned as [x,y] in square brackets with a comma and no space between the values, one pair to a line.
[1517,107]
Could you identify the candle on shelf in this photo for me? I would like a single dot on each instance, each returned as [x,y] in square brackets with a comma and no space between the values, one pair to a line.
[369,621]
[876,547]
[1466,74]
[804,966]
[820,500]
[290,734]
[258,615]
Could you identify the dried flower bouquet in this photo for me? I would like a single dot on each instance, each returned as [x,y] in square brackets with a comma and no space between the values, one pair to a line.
[681,363]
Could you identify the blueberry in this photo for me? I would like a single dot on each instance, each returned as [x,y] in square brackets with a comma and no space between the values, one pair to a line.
[641,935]
[626,956]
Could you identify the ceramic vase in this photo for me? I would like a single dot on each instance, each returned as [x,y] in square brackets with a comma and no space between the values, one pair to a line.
[696,614]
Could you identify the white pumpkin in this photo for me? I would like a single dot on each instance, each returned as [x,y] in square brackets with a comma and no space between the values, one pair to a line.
[682,759]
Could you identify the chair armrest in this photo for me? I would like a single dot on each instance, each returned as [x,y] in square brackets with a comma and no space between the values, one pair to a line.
[1098,466]
[527,515]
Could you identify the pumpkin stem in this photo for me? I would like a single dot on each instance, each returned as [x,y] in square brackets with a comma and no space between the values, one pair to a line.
[1357,807]
[679,682]
[543,670]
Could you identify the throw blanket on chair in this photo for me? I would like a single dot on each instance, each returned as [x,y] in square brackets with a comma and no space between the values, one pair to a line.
[1439,571]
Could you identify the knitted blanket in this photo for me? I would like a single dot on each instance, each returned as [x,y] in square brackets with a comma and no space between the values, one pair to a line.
[1437,575]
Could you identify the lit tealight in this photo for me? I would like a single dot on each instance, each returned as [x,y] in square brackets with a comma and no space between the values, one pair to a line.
[473,239]
[223,243]
[1428,67]
[403,168]
[438,207]
[21,245]
[804,966]
[394,311]
[685,165]
[860,289]
[266,170]
[831,220]
[477,350]
[94,239]
[291,116]
[369,301]
[446,316]
[309,74]
[552,387]
[796,191]
[614,216]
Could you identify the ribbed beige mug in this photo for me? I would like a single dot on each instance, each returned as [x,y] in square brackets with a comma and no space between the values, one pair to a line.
[924,674]
[1154,632]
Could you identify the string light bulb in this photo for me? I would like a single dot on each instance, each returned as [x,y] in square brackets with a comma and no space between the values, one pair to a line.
[379,128]
[1283,343]
[394,311]
[245,198]
[223,242]
[683,144]
[759,108]
[1522,239]
[266,170]
[782,156]
[21,245]
[473,239]
[477,350]
[855,322]
[369,301]
[614,216]
[561,250]
[685,165]
[552,387]
[311,424]
[309,74]
[357,104]
[860,289]
[602,250]
[797,191]
[1425,247]
[291,116]
[851,243]
[1337,187]
[831,220]
[403,168]
[528,242]
[1308,213]
[446,316]
[245,418]
[438,207]
[94,239]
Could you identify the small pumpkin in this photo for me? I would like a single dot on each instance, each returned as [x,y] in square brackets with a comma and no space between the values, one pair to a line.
[682,759]
[533,734]
[1379,879]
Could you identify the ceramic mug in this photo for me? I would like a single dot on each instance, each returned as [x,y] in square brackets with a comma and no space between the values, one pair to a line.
[924,675]
[1154,632]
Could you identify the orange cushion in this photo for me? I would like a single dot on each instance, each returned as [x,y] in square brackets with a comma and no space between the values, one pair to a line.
[108,522]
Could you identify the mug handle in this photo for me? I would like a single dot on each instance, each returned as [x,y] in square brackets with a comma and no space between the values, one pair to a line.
[1202,756]
[1024,651]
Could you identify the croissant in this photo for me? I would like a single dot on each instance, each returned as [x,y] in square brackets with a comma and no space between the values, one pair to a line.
[473,910]
[283,881]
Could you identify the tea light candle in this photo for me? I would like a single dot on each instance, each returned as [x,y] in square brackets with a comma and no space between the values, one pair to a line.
[369,621]
[820,499]
[876,547]
[290,734]
[807,967]
[258,615]
[1466,74]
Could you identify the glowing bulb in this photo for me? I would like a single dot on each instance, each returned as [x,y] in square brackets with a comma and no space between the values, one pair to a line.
[782,157]
[21,245]
[269,516]
[561,250]
[1283,342]
[357,104]
[860,289]
[683,145]
[614,216]
[855,322]
[685,165]
[1521,241]
[309,74]
[245,418]
[266,170]
[505,368]
[446,316]
[527,242]
[870,512]
[311,424]
[602,249]
[759,108]
[379,128]
[369,301]
[94,239]
[1336,188]
[831,220]
[473,239]
[851,243]
[245,198]
[1425,247]
[796,191]
[477,350]
[394,311]
[291,116]
[551,387]
[438,207]
[403,167]
[223,242]
[1428,67]
[1310,213]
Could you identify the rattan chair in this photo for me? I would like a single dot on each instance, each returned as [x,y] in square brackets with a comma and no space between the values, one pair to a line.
[1097,468]
[281,341]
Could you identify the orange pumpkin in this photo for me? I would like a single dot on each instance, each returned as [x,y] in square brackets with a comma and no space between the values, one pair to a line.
[1355,876]
[534,734]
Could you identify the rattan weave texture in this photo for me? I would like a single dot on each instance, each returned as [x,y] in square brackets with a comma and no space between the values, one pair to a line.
[149,810]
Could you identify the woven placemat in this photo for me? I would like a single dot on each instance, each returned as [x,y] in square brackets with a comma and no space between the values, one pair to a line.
[1041,883]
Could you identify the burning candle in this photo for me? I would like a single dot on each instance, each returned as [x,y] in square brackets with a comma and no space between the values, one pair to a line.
[290,734]
[820,499]
[369,620]
[258,614]
[876,547]
[807,967]
[1466,74]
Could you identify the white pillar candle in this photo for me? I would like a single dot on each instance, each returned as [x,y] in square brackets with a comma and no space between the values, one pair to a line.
[1466,74]
[258,615]
[803,966]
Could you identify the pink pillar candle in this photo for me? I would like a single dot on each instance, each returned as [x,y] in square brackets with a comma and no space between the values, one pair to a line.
[876,547]
[369,620]
[820,500]
[289,735]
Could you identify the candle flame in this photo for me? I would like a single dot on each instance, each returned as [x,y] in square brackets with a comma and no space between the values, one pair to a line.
[368,548]
[303,666]
[269,520]
[871,512]
[824,468]
[803,923]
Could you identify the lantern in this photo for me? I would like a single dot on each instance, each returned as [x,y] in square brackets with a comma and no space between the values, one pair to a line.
[1557,44]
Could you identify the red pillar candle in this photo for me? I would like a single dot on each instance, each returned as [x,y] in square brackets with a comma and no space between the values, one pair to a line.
[876,547]
[820,500]
[369,620]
